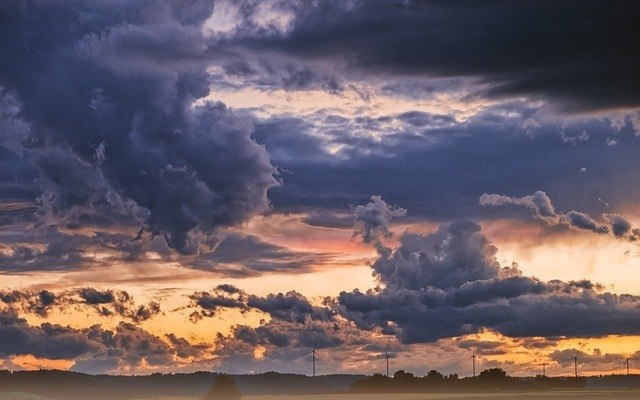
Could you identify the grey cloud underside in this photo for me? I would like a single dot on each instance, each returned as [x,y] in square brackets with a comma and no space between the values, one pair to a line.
[110,129]
[579,54]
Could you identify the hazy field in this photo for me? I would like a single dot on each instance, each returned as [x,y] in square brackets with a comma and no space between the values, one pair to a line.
[567,395]
[605,394]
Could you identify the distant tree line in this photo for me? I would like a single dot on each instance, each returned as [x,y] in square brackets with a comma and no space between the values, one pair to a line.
[488,380]
[66,385]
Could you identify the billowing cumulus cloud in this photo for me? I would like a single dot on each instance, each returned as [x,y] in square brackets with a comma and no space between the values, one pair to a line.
[372,220]
[449,283]
[127,145]
[542,207]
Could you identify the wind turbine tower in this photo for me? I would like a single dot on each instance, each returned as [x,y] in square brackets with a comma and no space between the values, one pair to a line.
[314,354]
[386,357]
[628,366]
[473,358]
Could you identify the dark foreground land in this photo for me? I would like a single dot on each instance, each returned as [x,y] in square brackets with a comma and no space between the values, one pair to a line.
[561,395]
[61,385]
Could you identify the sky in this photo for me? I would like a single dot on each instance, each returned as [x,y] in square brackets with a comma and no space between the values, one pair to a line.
[226,185]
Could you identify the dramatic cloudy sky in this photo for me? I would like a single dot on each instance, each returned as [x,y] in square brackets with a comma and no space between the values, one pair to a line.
[226,185]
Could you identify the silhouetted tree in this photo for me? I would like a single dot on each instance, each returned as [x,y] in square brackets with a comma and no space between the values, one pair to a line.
[223,388]
[435,375]
[493,375]
[401,374]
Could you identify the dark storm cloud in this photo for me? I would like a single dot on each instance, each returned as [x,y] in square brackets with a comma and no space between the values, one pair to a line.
[449,283]
[439,172]
[542,207]
[580,54]
[99,100]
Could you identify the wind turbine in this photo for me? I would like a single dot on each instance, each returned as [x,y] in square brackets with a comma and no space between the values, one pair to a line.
[627,364]
[575,363]
[386,357]
[473,357]
[314,354]
[544,369]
